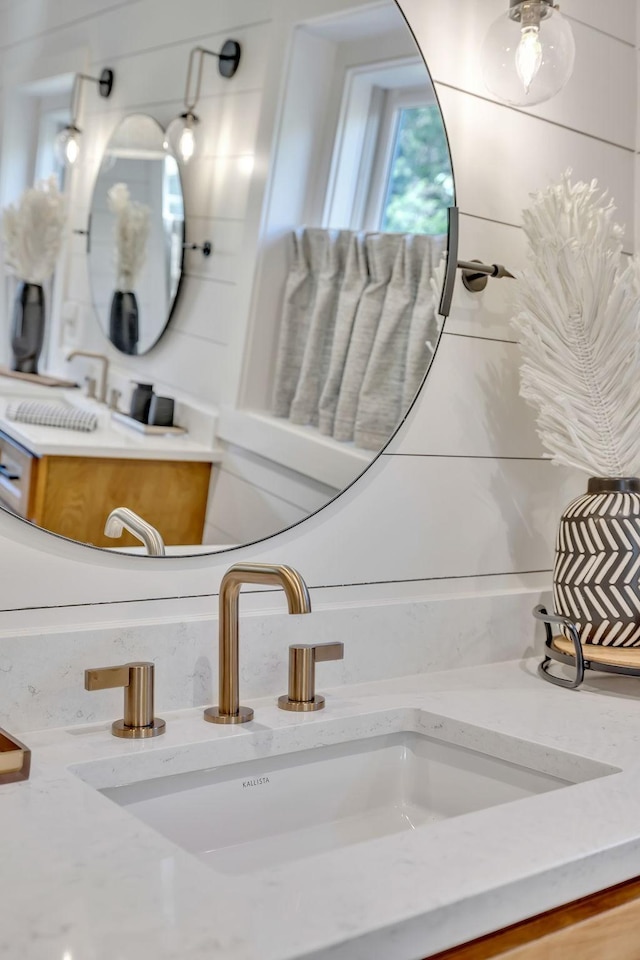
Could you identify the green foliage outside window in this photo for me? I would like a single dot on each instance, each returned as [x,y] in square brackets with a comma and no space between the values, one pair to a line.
[421,182]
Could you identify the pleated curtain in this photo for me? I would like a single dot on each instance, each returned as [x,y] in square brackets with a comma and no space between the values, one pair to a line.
[357,333]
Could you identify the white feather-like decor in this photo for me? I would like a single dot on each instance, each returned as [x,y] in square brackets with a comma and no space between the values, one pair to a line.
[32,232]
[578,322]
[131,235]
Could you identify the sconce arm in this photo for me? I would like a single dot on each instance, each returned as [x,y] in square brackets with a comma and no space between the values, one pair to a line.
[105,86]
[228,61]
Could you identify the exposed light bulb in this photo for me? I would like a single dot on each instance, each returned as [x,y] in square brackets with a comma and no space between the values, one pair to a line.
[529,56]
[72,150]
[67,146]
[180,138]
[187,144]
[528,53]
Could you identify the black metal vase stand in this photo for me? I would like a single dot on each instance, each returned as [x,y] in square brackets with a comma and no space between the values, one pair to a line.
[577,660]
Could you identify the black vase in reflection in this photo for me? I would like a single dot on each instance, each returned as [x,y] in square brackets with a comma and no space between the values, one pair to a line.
[123,322]
[27,328]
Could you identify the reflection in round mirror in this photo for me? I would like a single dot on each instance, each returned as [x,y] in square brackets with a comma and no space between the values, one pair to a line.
[136,236]
[307,333]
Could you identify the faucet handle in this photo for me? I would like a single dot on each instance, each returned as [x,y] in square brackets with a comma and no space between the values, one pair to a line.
[302,694]
[91,387]
[137,680]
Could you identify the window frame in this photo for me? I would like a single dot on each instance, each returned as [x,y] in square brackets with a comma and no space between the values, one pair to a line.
[395,101]
[369,97]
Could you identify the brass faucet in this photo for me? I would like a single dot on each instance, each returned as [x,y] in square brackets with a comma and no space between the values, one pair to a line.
[303,657]
[138,681]
[102,392]
[229,709]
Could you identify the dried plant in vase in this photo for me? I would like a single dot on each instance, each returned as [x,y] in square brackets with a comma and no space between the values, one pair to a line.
[578,322]
[131,236]
[32,235]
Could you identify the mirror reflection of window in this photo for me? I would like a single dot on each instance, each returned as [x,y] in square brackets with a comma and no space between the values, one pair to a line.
[419,183]
[356,323]
[391,168]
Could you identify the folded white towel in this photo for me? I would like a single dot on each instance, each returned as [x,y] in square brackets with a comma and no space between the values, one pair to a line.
[52,415]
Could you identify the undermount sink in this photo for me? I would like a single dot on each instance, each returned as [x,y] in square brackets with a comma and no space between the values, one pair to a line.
[252,815]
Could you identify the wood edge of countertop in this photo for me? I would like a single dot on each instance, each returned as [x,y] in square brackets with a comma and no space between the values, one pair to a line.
[530,938]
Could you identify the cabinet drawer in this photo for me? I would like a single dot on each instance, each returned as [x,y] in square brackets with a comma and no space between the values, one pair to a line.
[16,469]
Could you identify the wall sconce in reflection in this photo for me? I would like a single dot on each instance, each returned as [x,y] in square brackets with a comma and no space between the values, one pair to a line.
[68,141]
[181,133]
[528,53]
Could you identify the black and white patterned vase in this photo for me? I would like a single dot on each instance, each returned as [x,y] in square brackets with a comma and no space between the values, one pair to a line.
[596,578]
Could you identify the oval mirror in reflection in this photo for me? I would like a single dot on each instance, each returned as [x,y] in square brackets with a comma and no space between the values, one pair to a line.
[136,236]
[298,346]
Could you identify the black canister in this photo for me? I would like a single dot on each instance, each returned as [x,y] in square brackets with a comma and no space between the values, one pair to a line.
[161,411]
[141,402]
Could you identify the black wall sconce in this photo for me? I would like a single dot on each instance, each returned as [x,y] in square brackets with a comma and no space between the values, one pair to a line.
[68,141]
[181,133]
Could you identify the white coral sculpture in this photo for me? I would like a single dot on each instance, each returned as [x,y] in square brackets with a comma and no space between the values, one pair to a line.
[32,232]
[579,326]
[131,234]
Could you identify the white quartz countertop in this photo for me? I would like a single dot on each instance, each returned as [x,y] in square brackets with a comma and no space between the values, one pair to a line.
[111,439]
[81,879]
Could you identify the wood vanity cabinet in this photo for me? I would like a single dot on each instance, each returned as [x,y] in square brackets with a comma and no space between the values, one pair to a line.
[605,926]
[73,496]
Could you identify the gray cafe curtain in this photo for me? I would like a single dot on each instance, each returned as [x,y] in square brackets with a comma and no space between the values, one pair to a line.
[358,331]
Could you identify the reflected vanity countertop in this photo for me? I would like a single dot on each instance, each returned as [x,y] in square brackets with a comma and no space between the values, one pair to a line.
[81,877]
[110,439]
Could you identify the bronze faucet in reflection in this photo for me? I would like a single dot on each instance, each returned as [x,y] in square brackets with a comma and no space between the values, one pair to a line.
[122,519]
[102,390]
[229,709]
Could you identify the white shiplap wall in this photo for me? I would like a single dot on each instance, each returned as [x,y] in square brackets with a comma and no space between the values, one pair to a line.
[462,491]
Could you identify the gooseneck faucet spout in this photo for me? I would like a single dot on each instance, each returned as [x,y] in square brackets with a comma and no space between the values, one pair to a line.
[229,709]
[122,519]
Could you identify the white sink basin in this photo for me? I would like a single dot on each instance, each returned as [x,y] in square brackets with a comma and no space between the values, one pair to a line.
[251,815]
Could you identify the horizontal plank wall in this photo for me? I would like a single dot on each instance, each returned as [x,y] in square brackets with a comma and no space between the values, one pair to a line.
[462,491]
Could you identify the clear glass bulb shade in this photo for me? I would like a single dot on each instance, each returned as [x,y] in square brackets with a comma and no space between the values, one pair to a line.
[67,145]
[181,139]
[528,54]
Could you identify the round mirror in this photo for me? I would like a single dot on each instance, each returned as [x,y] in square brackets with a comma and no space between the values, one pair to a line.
[321,175]
[136,236]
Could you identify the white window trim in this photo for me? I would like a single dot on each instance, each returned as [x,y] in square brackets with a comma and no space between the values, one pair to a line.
[395,101]
[372,96]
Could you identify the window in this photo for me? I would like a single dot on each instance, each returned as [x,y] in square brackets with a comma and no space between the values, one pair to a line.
[419,182]
[391,169]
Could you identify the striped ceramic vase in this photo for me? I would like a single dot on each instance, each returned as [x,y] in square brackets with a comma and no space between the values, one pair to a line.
[596,579]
